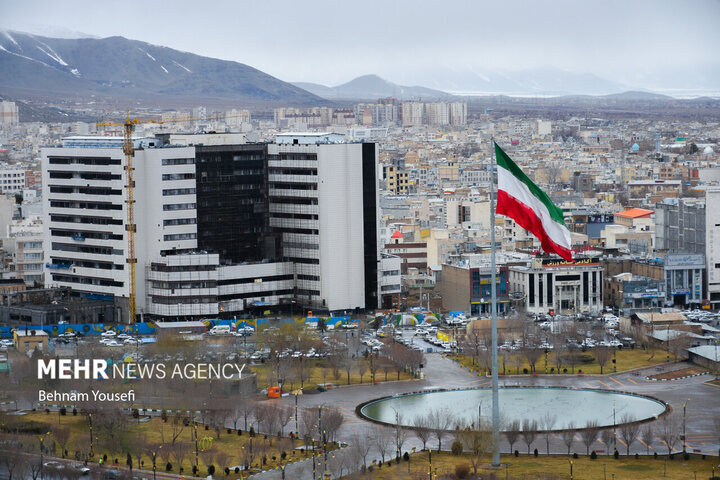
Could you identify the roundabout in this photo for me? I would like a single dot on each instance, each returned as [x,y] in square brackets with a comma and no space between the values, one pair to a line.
[571,407]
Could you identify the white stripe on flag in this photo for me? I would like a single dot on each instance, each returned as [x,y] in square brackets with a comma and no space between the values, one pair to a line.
[509,183]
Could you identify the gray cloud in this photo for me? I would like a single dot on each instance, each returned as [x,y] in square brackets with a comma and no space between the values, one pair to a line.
[331,42]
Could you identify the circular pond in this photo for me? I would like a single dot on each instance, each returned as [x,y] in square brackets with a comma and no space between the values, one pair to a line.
[572,408]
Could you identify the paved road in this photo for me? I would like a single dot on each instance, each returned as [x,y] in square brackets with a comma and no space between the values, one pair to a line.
[702,407]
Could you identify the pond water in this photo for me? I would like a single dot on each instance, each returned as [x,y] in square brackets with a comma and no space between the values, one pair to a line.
[570,406]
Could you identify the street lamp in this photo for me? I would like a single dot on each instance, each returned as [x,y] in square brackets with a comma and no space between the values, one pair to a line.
[296,414]
[684,438]
[614,430]
[154,456]
[42,449]
[92,453]
[397,427]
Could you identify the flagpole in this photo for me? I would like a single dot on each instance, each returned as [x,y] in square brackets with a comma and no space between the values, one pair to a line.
[493,316]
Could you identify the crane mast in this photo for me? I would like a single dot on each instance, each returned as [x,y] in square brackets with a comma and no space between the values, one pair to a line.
[130,228]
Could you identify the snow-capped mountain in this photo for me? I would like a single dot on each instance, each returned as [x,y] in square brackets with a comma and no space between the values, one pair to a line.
[118,67]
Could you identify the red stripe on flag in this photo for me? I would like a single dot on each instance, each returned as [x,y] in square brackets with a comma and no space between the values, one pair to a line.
[527,219]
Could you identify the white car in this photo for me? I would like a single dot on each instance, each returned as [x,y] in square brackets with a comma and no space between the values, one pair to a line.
[109,333]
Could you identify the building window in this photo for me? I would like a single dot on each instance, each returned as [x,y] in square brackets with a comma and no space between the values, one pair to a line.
[179,191]
[180,236]
[179,206]
[178,176]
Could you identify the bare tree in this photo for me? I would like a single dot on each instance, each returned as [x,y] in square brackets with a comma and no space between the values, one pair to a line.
[422,430]
[138,445]
[177,425]
[382,440]
[217,419]
[629,430]
[284,414]
[332,419]
[62,437]
[670,432]
[208,456]
[362,369]
[246,408]
[607,436]
[590,434]
[401,434]
[548,422]
[33,466]
[602,355]
[360,446]
[529,432]
[647,435]
[532,354]
[441,419]
[512,433]
[568,436]
[308,424]
[223,460]
[476,441]
[179,451]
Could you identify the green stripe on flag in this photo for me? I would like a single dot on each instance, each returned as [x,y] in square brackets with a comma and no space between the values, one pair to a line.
[504,161]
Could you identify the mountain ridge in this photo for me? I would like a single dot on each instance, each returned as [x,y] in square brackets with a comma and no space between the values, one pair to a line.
[372,87]
[120,67]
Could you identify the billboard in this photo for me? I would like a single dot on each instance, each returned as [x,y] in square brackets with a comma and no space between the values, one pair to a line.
[685,260]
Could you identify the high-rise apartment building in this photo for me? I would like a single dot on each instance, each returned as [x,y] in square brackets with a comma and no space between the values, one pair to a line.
[437,113]
[413,114]
[680,226]
[712,241]
[9,114]
[219,228]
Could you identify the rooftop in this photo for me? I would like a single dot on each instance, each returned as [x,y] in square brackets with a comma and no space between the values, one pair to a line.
[635,213]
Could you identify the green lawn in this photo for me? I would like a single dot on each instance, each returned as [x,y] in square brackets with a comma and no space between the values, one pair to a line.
[626,359]
[553,466]
[156,432]
[321,371]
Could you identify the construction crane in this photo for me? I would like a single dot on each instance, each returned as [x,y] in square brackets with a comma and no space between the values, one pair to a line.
[130,227]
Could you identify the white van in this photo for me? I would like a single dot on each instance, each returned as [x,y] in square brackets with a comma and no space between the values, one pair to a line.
[220,330]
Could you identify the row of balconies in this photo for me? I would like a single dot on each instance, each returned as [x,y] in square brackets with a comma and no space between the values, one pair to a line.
[255,287]
[292,163]
[294,223]
[288,208]
[304,179]
[282,192]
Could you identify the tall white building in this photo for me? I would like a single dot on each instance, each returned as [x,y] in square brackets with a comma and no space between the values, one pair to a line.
[9,114]
[458,113]
[412,113]
[85,208]
[712,244]
[323,200]
[437,113]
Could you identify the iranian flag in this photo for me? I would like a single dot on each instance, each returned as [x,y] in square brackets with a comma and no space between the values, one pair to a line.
[523,201]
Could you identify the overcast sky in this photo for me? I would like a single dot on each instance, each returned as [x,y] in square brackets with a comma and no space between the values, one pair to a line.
[331,42]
